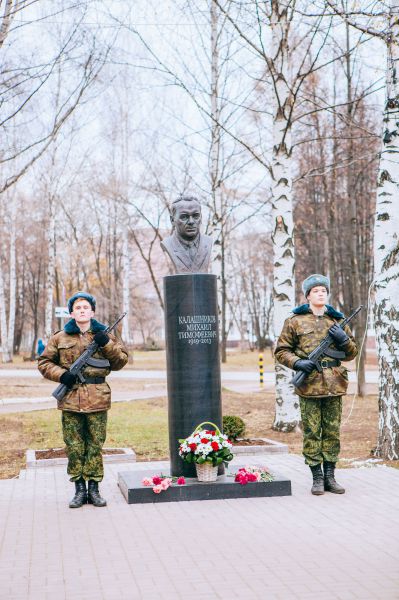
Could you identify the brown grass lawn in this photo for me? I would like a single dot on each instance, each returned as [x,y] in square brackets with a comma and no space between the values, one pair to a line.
[142,425]
[156,360]
[30,387]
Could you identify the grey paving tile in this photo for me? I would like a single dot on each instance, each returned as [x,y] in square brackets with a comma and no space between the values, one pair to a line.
[331,547]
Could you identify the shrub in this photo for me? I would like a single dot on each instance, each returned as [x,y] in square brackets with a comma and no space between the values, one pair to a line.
[233,426]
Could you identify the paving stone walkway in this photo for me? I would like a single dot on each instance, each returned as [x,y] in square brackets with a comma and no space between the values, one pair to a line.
[299,547]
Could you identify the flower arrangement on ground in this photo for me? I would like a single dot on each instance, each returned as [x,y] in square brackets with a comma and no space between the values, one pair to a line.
[206,446]
[252,474]
[160,483]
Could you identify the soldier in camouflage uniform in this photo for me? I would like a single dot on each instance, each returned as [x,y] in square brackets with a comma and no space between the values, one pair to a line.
[84,407]
[321,393]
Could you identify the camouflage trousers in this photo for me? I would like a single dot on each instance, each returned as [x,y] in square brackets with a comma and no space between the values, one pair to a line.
[321,420]
[84,436]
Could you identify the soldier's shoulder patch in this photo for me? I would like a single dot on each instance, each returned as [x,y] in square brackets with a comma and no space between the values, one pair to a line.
[292,315]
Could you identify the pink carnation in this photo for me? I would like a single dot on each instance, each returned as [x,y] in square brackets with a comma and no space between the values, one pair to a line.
[157,489]
[165,483]
[147,481]
[181,481]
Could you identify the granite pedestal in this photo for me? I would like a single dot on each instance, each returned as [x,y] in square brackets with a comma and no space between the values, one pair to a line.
[130,484]
[192,359]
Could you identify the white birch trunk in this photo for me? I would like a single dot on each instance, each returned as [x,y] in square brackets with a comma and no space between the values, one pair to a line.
[3,320]
[126,286]
[5,357]
[287,416]
[50,280]
[217,203]
[386,260]
[12,283]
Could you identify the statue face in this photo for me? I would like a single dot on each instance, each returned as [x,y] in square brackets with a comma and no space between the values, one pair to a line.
[187,219]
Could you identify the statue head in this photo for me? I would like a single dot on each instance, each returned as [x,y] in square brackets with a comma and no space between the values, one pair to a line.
[186,217]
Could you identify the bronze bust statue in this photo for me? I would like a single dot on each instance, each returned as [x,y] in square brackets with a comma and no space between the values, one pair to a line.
[188,249]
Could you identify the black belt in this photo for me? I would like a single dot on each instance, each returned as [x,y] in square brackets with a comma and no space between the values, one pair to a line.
[327,363]
[94,380]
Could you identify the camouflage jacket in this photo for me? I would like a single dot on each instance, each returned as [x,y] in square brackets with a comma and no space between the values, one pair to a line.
[63,348]
[302,332]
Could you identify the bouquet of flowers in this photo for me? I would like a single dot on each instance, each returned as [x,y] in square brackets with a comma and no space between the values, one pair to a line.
[160,483]
[206,446]
[252,474]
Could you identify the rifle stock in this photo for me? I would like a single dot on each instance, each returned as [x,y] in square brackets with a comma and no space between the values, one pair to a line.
[60,391]
[297,379]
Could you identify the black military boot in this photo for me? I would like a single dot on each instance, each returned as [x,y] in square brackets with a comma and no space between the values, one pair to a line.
[330,485]
[94,497]
[80,496]
[318,481]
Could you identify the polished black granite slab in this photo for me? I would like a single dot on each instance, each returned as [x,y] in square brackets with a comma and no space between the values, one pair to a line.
[192,360]
[225,487]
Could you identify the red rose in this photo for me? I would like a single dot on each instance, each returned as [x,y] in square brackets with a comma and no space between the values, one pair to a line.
[181,481]
[156,480]
[204,440]
[192,447]
[251,477]
[241,478]
[215,446]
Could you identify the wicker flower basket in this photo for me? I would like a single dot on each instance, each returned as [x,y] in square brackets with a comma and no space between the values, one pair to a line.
[206,472]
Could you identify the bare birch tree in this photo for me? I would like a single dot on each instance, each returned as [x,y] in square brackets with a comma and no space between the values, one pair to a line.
[386,246]
[386,258]
[24,88]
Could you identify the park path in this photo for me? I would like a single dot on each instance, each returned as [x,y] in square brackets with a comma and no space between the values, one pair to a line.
[227,376]
[300,547]
[242,382]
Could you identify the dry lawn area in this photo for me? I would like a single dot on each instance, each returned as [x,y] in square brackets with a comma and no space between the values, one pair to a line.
[30,387]
[156,360]
[142,425]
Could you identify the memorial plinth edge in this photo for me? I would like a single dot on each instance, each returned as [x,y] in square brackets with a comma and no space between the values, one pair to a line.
[130,484]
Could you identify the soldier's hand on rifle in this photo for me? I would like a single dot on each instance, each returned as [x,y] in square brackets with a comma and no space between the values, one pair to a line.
[338,334]
[101,338]
[305,365]
[68,379]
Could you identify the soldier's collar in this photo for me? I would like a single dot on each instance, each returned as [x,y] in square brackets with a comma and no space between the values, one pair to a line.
[304,309]
[95,326]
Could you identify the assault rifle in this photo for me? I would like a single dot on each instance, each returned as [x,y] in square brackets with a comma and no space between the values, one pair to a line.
[323,349]
[86,358]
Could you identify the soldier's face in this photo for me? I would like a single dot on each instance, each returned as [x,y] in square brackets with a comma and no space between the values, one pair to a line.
[82,311]
[318,296]
[187,220]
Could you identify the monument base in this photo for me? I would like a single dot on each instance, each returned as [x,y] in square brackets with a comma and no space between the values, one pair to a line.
[225,487]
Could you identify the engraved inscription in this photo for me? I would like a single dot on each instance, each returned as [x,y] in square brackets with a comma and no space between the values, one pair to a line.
[197,329]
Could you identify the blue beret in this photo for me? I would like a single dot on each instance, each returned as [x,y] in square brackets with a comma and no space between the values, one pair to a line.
[91,299]
[314,280]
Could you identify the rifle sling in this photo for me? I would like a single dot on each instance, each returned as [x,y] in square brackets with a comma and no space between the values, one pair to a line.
[92,380]
[327,363]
